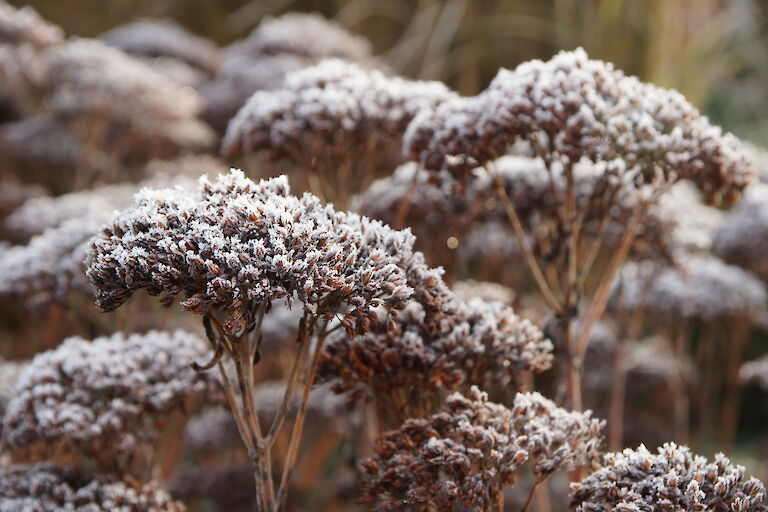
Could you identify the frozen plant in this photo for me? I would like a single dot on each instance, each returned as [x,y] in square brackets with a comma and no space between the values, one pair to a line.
[335,119]
[158,38]
[49,488]
[462,457]
[99,91]
[25,26]
[408,370]
[231,249]
[743,238]
[275,48]
[673,478]
[105,399]
[568,111]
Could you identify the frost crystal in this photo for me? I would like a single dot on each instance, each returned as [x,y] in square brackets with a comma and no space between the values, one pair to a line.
[48,488]
[101,398]
[235,244]
[461,458]
[574,108]
[671,479]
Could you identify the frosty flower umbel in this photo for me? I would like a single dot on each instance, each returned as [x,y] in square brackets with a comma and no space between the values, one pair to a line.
[231,250]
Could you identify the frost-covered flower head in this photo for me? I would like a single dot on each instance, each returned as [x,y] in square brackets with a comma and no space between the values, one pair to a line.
[235,244]
[101,91]
[49,488]
[25,26]
[743,238]
[164,38]
[307,35]
[701,287]
[673,478]
[335,108]
[479,342]
[461,458]
[99,398]
[572,108]
[756,372]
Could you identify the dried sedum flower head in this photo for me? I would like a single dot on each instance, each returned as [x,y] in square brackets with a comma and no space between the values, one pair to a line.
[332,109]
[476,343]
[572,108]
[49,488]
[164,38]
[701,287]
[671,479]
[461,458]
[307,35]
[756,372]
[743,237]
[470,289]
[236,244]
[100,91]
[102,398]
[25,26]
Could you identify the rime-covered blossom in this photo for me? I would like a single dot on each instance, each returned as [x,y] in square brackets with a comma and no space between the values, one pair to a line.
[100,91]
[756,372]
[38,214]
[479,342]
[743,238]
[700,287]
[164,38]
[306,35]
[673,478]
[275,48]
[40,149]
[49,488]
[460,458]
[572,108]
[103,398]
[234,244]
[332,109]
[25,26]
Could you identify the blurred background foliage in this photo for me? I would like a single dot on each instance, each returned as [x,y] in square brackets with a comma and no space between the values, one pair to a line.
[713,51]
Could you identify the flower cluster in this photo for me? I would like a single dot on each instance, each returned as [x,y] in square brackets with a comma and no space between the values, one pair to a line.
[671,479]
[756,372]
[275,48]
[334,109]
[236,244]
[461,458]
[98,398]
[479,343]
[49,488]
[572,108]
[701,287]
[100,91]
[25,26]
[743,236]
[153,38]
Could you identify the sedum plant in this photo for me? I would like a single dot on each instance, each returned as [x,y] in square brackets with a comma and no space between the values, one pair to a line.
[567,111]
[229,251]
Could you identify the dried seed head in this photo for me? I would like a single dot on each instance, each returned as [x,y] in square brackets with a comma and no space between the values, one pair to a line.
[164,38]
[671,479]
[572,108]
[463,456]
[102,398]
[49,488]
[235,244]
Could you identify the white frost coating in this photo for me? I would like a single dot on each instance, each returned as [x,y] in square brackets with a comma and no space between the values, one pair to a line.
[86,395]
